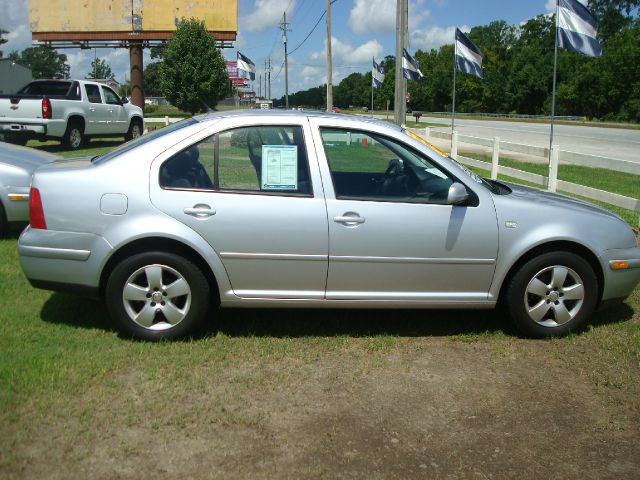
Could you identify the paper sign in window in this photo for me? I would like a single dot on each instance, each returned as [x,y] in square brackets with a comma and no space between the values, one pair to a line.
[279,167]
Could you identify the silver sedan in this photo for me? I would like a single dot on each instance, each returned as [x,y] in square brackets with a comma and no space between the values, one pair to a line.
[17,164]
[292,209]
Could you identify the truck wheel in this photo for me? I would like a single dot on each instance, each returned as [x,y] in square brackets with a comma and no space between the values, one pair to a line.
[135,130]
[74,136]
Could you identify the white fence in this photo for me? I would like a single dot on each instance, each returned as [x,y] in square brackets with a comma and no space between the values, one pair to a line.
[550,181]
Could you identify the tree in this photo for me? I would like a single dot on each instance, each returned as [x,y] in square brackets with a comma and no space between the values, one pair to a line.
[193,70]
[100,69]
[152,79]
[44,62]
[2,40]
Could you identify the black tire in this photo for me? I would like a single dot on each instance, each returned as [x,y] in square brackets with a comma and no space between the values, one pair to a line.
[552,294]
[151,277]
[135,130]
[73,138]
[4,224]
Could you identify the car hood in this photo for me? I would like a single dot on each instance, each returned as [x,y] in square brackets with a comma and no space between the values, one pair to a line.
[555,200]
[24,158]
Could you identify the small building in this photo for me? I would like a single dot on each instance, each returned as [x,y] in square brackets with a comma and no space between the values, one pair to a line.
[13,76]
[111,82]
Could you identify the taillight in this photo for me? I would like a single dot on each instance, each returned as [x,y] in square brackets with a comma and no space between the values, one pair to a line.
[46,108]
[36,213]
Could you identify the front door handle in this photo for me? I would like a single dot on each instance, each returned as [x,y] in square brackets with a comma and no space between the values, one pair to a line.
[349,219]
[200,211]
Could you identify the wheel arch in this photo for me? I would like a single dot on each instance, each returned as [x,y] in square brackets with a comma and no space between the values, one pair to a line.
[162,244]
[74,117]
[555,246]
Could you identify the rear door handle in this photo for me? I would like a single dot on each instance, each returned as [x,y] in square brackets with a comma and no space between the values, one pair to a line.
[349,218]
[92,109]
[200,211]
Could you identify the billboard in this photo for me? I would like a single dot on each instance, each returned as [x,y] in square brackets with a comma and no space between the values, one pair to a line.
[130,19]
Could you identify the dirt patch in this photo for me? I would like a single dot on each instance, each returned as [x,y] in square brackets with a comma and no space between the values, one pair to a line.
[399,407]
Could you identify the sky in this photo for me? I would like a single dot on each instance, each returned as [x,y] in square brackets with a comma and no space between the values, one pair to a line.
[360,30]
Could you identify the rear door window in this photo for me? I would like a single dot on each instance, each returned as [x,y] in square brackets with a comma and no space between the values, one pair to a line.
[93,93]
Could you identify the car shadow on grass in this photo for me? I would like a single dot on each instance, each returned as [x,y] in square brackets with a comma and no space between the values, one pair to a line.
[76,311]
[88,313]
[86,149]
[403,323]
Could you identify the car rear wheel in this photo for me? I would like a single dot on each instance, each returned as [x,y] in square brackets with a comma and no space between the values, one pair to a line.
[157,295]
[73,138]
[552,294]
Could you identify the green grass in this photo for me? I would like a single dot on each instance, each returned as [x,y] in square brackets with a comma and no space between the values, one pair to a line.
[608,180]
[94,147]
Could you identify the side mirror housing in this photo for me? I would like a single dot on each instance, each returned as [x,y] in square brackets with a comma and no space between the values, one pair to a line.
[124,100]
[457,194]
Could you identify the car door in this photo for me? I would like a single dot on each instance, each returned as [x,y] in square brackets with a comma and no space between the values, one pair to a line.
[254,193]
[118,120]
[97,114]
[392,236]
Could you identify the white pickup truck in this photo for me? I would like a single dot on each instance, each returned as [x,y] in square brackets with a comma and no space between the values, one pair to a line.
[70,110]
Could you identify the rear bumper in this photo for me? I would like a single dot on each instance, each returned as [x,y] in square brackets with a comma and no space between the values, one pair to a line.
[42,128]
[65,261]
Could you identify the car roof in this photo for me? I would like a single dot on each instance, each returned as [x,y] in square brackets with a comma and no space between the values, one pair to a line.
[297,114]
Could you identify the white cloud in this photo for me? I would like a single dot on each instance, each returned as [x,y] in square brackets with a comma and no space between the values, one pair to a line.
[265,14]
[379,16]
[344,52]
[15,20]
[433,37]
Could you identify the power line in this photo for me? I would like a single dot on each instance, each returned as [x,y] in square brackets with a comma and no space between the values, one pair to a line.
[312,30]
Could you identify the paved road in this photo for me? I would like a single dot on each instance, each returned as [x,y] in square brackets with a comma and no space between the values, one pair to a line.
[621,144]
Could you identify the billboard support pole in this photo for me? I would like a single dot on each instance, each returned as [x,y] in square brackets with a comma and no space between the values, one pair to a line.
[137,88]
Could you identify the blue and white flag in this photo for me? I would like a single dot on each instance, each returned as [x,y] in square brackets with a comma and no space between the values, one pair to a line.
[468,55]
[577,29]
[377,75]
[246,68]
[410,68]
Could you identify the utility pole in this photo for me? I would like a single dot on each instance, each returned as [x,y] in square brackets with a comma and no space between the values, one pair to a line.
[269,72]
[399,94]
[405,45]
[329,61]
[285,29]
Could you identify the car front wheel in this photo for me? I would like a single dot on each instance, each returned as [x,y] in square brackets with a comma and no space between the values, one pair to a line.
[157,295]
[552,294]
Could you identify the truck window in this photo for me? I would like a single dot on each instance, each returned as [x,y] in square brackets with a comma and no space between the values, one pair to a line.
[93,93]
[110,96]
[46,88]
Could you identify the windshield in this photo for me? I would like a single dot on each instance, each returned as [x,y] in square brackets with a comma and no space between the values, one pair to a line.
[137,142]
[475,177]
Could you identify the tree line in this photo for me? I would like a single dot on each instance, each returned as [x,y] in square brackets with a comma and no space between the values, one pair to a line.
[518,72]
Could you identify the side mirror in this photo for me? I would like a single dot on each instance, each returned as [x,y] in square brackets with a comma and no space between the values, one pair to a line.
[457,194]
[124,100]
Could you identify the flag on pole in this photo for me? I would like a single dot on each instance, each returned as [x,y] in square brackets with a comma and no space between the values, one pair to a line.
[410,68]
[468,55]
[577,29]
[246,68]
[377,75]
